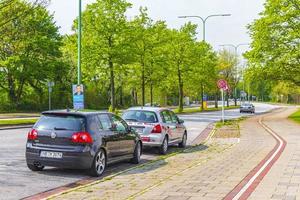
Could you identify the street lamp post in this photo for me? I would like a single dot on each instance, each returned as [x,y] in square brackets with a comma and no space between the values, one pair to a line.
[236,70]
[204,20]
[79,46]
[204,37]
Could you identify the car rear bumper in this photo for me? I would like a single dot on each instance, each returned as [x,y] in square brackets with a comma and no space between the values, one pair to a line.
[69,160]
[152,140]
[246,110]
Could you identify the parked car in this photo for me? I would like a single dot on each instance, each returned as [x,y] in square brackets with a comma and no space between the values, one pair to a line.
[158,127]
[247,107]
[81,140]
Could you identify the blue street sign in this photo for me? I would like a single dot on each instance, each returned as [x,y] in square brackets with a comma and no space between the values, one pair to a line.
[78,97]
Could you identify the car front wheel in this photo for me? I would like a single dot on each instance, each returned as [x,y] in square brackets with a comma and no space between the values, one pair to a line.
[99,163]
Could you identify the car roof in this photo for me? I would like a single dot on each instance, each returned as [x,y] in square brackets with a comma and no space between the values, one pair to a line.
[72,112]
[148,108]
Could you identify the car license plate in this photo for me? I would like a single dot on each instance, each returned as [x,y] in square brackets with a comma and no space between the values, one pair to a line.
[50,154]
[139,130]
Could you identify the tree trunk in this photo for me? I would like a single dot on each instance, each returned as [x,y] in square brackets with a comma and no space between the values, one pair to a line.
[227,98]
[133,97]
[151,94]
[12,91]
[143,83]
[202,97]
[180,84]
[235,96]
[112,85]
[216,100]
[121,95]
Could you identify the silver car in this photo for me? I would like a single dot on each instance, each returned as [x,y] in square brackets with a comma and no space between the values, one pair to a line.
[158,127]
[247,107]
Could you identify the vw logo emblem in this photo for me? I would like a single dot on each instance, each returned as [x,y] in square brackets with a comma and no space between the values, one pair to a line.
[53,135]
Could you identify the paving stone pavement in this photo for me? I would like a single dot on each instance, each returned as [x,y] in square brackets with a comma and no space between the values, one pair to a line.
[205,172]
[283,180]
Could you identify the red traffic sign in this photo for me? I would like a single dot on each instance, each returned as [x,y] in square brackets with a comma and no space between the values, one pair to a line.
[222,84]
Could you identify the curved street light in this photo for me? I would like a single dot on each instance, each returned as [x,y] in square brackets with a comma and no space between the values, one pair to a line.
[236,68]
[205,19]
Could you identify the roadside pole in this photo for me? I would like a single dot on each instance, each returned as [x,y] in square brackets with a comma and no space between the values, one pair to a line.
[50,85]
[223,113]
[223,85]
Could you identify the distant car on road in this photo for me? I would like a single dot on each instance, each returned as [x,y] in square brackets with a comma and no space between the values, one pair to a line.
[81,140]
[158,127]
[247,107]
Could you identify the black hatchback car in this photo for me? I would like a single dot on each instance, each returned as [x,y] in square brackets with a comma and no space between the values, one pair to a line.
[81,140]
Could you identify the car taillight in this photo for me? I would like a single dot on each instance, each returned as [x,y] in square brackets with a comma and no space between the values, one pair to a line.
[156,129]
[32,134]
[82,137]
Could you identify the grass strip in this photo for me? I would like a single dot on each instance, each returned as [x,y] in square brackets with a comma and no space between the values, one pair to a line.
[15,122]
[196,110]
[295,116]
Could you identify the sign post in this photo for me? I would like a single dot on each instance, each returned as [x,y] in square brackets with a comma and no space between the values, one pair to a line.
[223,86]
[78,97]
[50,85]
[223,113]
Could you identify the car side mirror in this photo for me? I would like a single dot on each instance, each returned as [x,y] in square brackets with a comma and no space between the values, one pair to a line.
[181,121]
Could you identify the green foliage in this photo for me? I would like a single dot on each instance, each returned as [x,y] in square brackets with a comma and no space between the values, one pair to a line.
[275,53]
[30,54]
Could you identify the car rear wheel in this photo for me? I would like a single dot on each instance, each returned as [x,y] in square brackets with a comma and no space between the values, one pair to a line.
[182,144]
[99,163]
[35,167]
[163,149]
[137,153]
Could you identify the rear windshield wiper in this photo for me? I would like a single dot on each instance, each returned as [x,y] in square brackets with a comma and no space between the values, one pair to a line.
[134,120]
[61,129]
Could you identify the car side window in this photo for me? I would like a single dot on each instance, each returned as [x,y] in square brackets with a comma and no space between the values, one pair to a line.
[95,124]
[174,118]
[105,122]
[166,116]
[121,126]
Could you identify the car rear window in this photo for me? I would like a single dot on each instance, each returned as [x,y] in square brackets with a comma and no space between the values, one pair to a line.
[140,116]
[61,122]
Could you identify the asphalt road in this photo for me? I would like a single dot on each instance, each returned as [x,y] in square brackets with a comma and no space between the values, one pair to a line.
[17,181]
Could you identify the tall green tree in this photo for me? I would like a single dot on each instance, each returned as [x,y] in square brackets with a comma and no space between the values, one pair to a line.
[105,39]
[30,53]
[276,45]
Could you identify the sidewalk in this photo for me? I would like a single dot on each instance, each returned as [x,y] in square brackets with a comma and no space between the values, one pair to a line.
[205,172]
[283,180]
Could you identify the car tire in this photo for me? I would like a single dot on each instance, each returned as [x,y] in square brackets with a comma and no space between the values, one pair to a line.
[163,149]
[99,164]
[137,153]
[182,144]
[35,168]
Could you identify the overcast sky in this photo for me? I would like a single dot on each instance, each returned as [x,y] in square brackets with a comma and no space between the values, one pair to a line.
[219,30]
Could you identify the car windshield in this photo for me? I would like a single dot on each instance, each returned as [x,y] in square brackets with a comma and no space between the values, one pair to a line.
[140,116]
[61,122]
[247,104]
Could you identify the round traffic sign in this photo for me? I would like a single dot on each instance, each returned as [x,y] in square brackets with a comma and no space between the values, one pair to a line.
[222,84]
